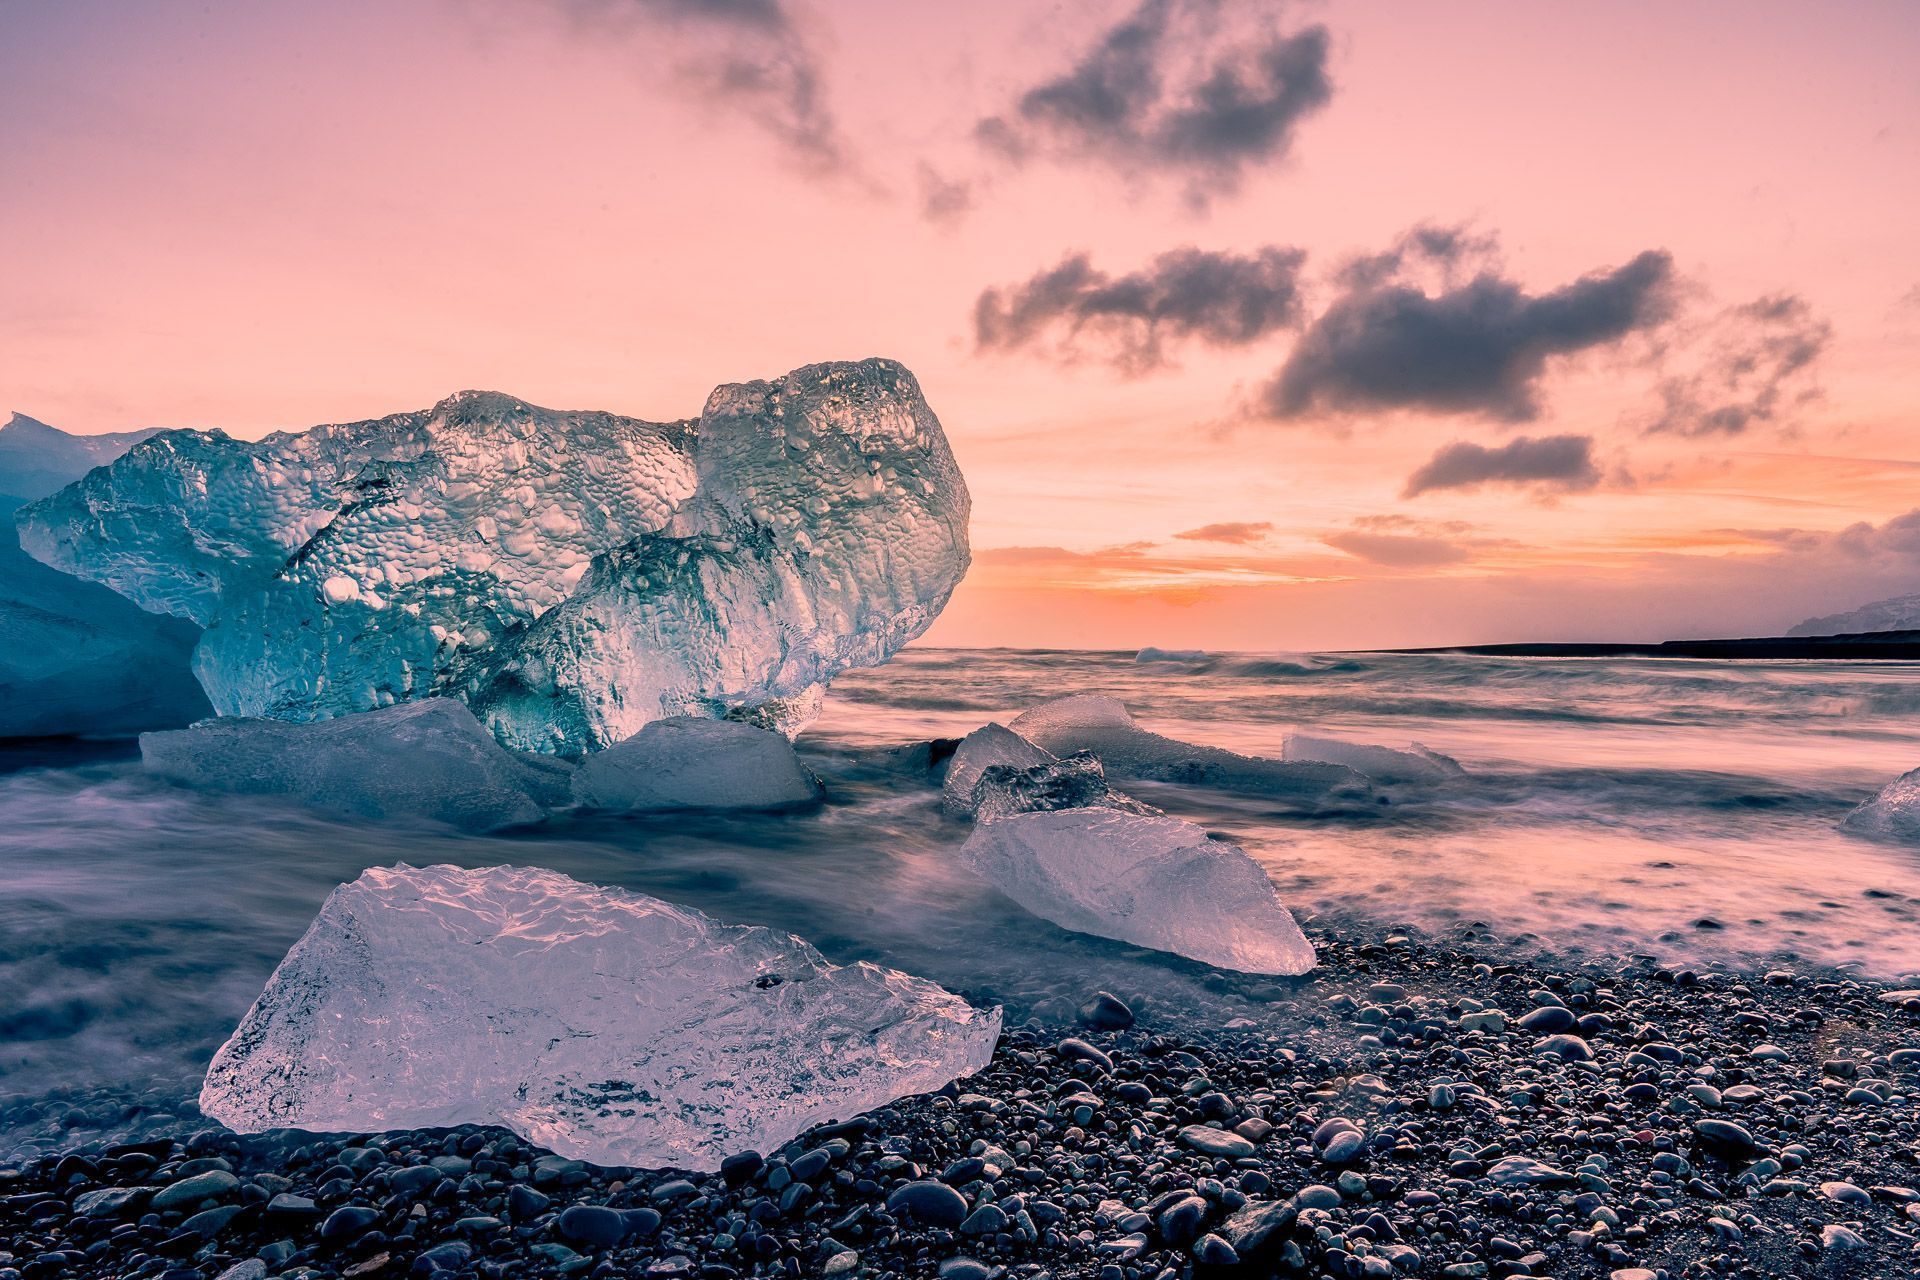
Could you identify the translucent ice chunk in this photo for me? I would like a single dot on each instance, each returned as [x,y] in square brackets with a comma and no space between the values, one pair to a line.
[689,763]
[1893,813]
[430,760]
[606,1025]
[989,745]
[1382,764]
[1102,725]
[571,576]
[1150,880]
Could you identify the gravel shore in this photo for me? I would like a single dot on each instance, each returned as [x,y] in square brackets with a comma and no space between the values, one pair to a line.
[1411,1108]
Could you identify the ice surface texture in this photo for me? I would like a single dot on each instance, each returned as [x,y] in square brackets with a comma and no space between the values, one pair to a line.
[429,759]
[1151,880]
[1893,813]
[1102,725]
[1382,764]
[571,576]
[689,763]
[75,658]
[606,1025]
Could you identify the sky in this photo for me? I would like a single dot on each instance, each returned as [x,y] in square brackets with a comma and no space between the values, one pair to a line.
[1253,326]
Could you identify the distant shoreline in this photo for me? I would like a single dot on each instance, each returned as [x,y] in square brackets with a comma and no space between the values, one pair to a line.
[1880,646]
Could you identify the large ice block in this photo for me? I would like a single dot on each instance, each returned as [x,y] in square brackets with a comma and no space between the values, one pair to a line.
[429,760]
[609,1026]
[1892,813]
[571,576]
[1100,724]
[689,763]
[1151,880]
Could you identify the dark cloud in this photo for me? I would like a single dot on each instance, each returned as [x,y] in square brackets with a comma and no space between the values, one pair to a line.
[748,55]
[1560,463]
[1235,532]
[1757,369]
[1075,309]
[944,199]
[1398,550]
[1200,89]
[1475,347]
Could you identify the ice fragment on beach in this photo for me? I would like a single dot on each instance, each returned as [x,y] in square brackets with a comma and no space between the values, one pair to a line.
[690,763]
[995,772]
[1382,764]
[991,744]
[429,760]
[1893,813]
[571,576]
[1151,880]
[1102,725]
[606,1025]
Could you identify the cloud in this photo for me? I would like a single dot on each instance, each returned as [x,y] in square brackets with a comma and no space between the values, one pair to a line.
[749,55]
[1073,309]
[1559,463]
[1397,550]
[1757,369]
[1478,346]
[1199,89]
[1235,532]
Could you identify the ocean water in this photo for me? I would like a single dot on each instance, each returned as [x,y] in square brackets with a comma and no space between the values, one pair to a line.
[1682,809]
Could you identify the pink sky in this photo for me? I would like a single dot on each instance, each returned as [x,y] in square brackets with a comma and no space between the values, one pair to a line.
[264,215]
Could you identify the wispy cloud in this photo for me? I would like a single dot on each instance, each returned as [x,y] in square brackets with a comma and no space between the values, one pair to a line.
[1475,347]
[1560,464]
[1075,310]
[1756,367]
[1196,90]
[1233,532]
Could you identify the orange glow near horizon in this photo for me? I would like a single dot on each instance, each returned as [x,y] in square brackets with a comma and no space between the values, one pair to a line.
[265,215]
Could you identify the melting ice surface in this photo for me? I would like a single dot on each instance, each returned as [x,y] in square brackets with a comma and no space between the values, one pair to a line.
[608,1026]
[1690,810]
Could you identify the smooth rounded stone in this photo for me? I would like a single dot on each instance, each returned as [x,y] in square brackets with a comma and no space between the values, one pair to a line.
[349,1222]
[288,1205]
[1074,1049]
[1524,1171]
[108,1202]
[1633,1273]
[1547,1020]
[454,1255]
[245,1269]
[1724,1137]
[1769,1053]
[525,1204]
[737,1170]
[1485,1021]
[845,1262]
[1180,1222]
[214,1184]
[1835,1238]
[1569,1048]
[1258,1231]
[1211,1250]
[934,1203]
[690,762]
[987,1220]
[1845,1193]
[592,1224]
[1216,1142]
[963,1268]
[1106,1012]
[1314,1196]
[1343,1147]
[209,1223]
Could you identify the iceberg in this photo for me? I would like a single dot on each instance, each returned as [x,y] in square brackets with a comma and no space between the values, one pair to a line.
[1382,764]
[1893,813]
[570,576]
[428,760]
[1102,725]
[1147,879]
[76,658]
[605,1025]
[690,763]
